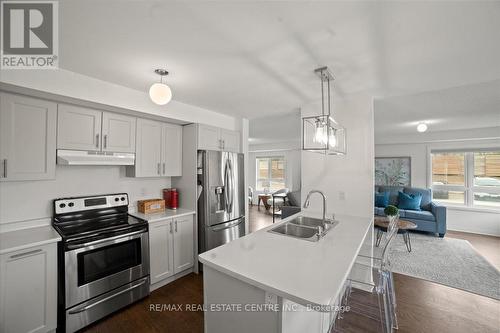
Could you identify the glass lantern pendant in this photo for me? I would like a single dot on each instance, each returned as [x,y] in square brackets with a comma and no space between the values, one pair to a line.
[322,133]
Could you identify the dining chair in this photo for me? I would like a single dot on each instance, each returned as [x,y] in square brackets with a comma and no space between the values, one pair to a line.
[278,199]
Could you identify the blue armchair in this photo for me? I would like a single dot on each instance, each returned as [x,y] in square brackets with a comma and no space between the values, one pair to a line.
[431,217]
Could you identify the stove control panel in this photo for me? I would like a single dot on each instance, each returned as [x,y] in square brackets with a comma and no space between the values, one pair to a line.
[77,204]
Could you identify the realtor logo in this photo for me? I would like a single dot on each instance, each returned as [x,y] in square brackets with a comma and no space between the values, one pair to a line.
[29,34]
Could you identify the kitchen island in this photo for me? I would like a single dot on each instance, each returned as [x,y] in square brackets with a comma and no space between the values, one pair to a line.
[267,282]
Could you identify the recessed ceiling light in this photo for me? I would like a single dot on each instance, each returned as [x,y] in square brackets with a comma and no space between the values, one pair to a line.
[422,127]
[159,92]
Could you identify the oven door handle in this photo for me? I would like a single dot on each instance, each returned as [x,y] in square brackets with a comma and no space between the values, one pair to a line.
[90,306]
[105,241]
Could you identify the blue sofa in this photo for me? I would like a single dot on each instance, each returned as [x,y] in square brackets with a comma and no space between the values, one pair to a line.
[431,217]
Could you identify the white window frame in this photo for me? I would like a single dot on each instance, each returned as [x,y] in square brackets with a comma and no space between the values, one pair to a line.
[468,188]
[269,179]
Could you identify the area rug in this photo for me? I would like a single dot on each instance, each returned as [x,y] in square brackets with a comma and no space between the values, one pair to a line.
[448,261]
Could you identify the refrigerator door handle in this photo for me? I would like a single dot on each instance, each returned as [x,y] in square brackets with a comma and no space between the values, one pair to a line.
[231,186]
[227,187]
[234,224]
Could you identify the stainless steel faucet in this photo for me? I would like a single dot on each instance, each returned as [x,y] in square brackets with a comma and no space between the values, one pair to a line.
[306,203]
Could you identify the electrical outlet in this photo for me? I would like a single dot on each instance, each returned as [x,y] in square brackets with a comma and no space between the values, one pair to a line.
[271,298]
[341,195]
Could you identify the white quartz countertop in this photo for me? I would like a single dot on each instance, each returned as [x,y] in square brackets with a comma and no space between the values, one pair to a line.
[26,238]
[167,214]
[308,273]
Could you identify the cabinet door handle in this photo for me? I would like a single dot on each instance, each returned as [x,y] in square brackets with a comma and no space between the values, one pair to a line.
[97,140]
[163,167]
[175,225]
[5,168]
[105,141]
[158,168]
[19,255]
[170,227]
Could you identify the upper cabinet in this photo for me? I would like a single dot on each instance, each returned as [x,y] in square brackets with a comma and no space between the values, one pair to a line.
[82,128]
[78,128]
[230,140]
[27,138]
[172,150]
[213,138]
[158,150]
[209,138]
[118,133]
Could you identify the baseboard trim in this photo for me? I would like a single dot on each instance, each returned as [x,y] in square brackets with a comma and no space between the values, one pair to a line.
[474,232]
[169,279]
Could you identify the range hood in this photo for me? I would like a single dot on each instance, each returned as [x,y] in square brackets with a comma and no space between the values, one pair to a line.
[78,157]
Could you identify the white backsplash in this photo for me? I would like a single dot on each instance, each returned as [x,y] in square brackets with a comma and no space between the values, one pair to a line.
[28,203]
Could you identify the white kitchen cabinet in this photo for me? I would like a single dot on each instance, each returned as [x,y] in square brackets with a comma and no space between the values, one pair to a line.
[28,290]
[230,140]
[209,138]
[78,128]
[172,150]
[27,138]
[171,244]
[158,150]
[183,243]
[213,138]
[148,153]
[161,255]
[118,133]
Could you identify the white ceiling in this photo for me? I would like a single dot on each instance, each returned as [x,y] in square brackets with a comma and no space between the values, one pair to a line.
[466,107]
[256,58]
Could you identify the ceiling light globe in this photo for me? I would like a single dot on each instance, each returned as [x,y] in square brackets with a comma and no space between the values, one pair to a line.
[421,127]
[160,93]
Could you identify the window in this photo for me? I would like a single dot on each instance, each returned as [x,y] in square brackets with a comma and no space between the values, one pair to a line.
[486,185]
[270,173]
[466,178]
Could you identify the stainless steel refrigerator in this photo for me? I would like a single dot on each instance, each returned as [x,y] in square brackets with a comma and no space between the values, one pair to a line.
[221,198]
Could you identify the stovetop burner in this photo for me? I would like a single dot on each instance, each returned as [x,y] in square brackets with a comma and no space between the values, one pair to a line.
[89,217]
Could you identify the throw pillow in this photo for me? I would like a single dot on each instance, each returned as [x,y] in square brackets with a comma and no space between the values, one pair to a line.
[409,201]
[382,199]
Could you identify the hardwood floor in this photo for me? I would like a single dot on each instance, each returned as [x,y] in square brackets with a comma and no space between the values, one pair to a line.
[141,317]
[423,306]
[259,218]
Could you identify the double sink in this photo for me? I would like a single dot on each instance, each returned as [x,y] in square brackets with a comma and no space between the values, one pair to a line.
[306,228]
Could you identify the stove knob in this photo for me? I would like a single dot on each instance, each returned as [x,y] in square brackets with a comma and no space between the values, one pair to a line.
[117,199]
[71,204]
[62,205]
[122,198]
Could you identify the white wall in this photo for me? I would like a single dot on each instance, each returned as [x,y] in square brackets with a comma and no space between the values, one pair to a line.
[461,219]
[27,203]
[346,180]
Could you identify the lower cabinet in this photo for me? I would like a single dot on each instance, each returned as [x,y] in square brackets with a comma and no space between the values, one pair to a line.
[171,243]
[28,290]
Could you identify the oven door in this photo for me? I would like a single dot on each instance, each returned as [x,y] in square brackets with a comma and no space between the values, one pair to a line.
[102,265]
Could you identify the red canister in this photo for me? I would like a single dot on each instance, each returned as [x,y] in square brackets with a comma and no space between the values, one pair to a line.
[171,197]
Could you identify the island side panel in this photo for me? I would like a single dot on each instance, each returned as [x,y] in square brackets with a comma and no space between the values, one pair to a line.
[219,290]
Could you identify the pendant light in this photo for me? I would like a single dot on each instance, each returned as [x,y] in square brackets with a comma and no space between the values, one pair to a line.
[322,133]
[159,92]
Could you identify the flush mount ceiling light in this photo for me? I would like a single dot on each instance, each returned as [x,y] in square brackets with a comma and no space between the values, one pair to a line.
[159,92]
[321,133]
[422,127]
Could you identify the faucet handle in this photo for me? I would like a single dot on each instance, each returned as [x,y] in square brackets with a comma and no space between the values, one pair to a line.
[333,216]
